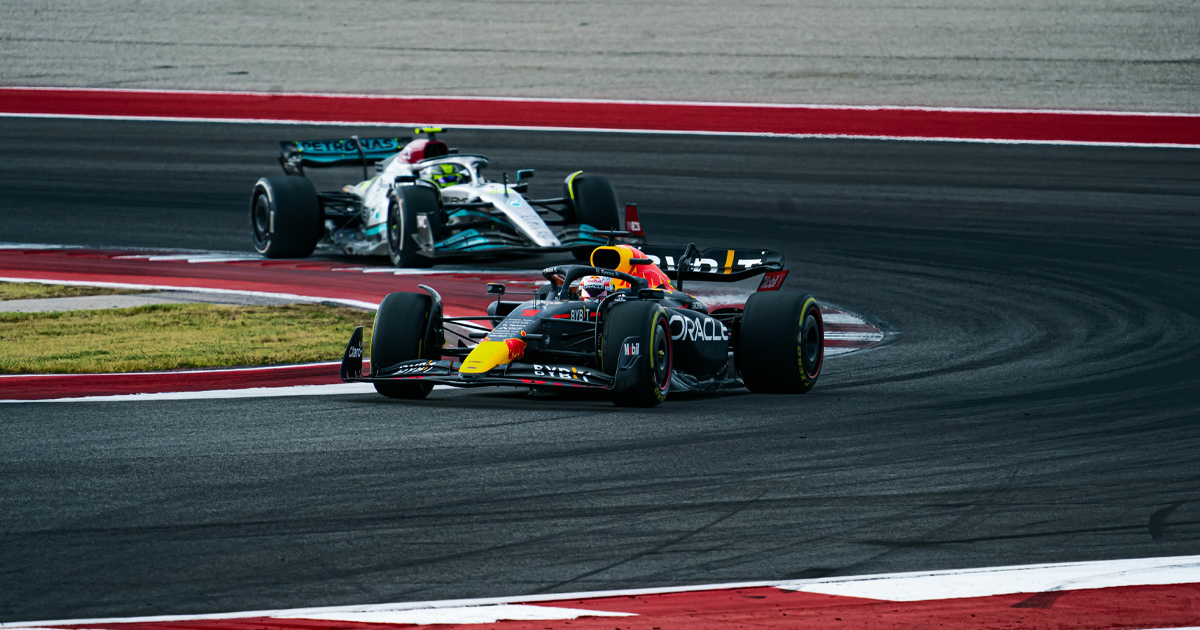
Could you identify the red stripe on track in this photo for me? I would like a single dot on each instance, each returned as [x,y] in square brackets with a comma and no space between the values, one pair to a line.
[48,386]
[1122,607]
[848,343]
[914,123]
[245,623]
[1119,607]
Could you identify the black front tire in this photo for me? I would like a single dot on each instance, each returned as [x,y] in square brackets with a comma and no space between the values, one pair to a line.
[403,332]
[285,217]
[649,381]
[781,343]
[405,204]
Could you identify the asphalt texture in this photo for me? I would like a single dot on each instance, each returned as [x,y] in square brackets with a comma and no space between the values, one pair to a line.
[1039,404]
[1140,55]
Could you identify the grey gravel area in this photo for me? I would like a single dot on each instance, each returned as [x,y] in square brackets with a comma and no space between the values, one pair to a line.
[96,302]
[1110,54]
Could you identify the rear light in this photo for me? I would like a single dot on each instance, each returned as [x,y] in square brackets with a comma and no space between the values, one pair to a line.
[773,280]
[633,224]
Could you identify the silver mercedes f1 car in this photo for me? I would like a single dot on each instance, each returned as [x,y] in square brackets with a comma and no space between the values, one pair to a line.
[425,201]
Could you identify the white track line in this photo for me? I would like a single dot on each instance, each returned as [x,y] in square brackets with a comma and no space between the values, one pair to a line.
[740,134]
[1035,578]
[191,258]
[370,306]
[466,614]
[841,318]
[214,394]
[853,336]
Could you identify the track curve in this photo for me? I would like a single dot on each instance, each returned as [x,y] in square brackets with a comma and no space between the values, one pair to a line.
[1039,406]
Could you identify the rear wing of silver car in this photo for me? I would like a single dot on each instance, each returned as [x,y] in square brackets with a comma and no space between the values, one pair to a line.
[295,155]
[718,264]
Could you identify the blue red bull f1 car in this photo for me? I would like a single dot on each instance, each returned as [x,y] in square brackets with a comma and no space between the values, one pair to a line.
[621,325]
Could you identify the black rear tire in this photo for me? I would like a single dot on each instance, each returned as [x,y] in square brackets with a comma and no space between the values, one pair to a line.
[594,203]
[285,217]
[648,383]
[402,332]
[780,343]
[405,204]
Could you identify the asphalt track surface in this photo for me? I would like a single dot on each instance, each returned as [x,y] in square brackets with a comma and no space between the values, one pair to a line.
[1038,405]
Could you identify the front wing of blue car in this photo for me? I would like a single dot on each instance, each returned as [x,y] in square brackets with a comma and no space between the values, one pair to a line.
[444,372]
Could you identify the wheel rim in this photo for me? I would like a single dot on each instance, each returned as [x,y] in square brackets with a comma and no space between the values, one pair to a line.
[261,219]
[395,227]
[662,354]
[811,349]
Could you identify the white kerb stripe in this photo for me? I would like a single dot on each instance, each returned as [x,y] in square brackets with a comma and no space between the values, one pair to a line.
[463,614]
[219,394]
[853,336]
[913,587]
[1143,571]
[841,318]
[370,306]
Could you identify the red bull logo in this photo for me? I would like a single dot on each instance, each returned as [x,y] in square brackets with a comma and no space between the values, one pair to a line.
[516,349]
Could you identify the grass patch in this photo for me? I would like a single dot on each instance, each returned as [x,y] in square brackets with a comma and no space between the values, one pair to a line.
[36,291]
[175,336]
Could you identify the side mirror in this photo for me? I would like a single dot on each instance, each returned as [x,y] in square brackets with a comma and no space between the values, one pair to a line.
[495,288]
[651,294]
[406,179]
[525,173]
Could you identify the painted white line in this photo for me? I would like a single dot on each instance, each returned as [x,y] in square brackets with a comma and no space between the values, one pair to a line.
[221,394]
[841,318]
[738,134]
[370,306]
[463,614]
[853,336]
[191,258]
[85,303]
[216,394]
[1037,578]
[977,582]
[38,246]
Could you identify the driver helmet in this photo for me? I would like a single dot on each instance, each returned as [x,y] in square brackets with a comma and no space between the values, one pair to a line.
[595,287]
[444,175]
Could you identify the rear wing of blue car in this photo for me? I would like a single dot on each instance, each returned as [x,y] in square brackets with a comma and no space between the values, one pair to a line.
[295,155]
[718,264]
